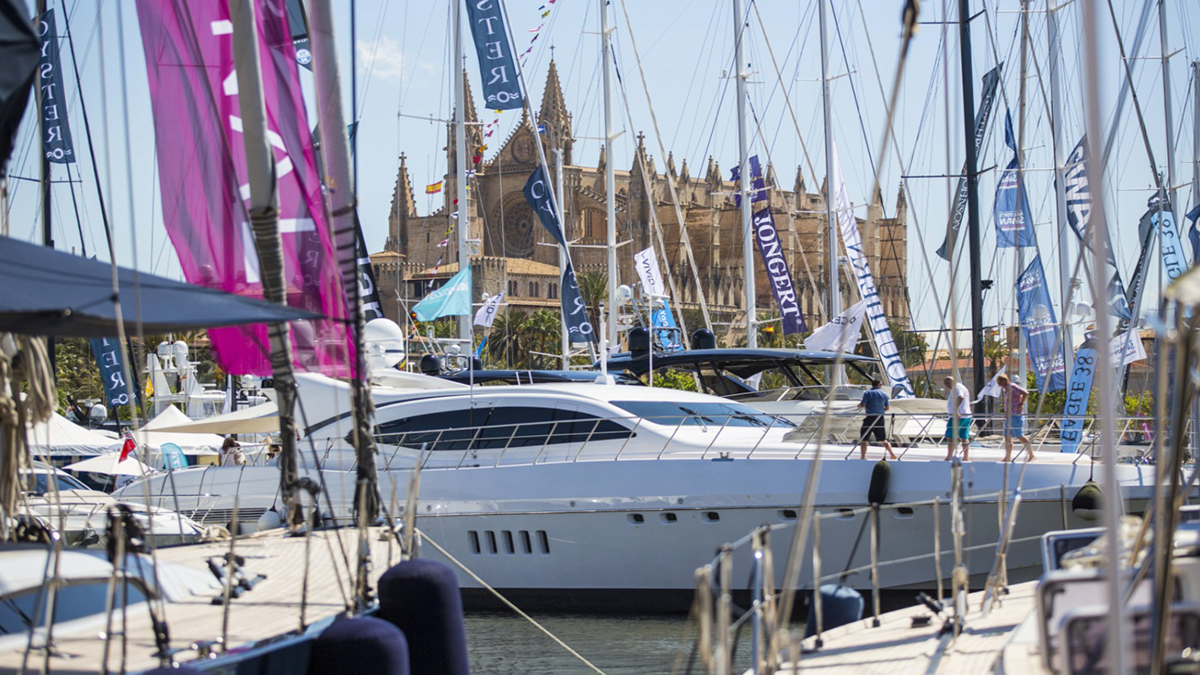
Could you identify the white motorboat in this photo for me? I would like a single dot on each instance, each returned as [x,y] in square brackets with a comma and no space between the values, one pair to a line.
[598,496]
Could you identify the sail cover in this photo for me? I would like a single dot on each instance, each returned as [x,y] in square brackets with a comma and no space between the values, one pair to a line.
[202,168]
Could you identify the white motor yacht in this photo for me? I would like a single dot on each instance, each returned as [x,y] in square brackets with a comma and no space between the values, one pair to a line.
[601,496]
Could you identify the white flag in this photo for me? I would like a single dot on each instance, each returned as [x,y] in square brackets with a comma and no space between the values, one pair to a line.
[991,388]
[487,314]
[1127,348]
[647,270]
[840,334]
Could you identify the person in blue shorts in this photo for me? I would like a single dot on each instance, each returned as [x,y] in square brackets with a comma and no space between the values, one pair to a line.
[958,426]
[874,404]
[1014,410]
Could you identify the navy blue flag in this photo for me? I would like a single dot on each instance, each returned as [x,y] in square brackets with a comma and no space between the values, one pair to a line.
[1036,313]
[1078,195]
[1193,233]
[56,133]
[1078,396]
[990,79]
[501,85]
[770,248]
[537,193]
[575,316]
[1014,224]
[112,370]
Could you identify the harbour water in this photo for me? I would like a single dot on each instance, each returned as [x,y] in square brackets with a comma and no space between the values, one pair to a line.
[622,644]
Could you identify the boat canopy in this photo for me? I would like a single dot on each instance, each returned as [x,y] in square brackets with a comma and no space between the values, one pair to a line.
[49,292]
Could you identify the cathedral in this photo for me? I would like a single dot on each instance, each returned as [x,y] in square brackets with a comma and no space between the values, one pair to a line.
[512,252]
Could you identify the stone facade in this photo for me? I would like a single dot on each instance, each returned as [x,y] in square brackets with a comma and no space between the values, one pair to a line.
[508,230]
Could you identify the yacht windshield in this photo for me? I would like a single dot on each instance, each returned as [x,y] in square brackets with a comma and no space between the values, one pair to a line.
[718,414]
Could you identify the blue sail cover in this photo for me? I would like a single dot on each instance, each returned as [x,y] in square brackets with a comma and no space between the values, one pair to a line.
[1036,313]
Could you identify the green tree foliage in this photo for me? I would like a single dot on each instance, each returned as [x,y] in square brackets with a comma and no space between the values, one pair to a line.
[545,337]
[76,371]
[670,378]
[508,341]
[593,288]
[911,344]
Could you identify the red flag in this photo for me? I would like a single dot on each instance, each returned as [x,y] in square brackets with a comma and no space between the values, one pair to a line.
[126,449]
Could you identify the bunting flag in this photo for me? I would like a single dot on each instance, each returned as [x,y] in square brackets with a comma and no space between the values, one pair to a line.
[881,333]
[982,115]
[452,299]
[112,370]
[1014,224]
[433,188]
[487,314]
[193,86]
[646,264]
[501,83]
[1035,311]
[841,333]
[56,133]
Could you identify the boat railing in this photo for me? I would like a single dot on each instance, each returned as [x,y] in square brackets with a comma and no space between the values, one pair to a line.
[711,436]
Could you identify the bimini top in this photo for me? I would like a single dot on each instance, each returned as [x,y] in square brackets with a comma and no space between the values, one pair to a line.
[49,292]
[742,362]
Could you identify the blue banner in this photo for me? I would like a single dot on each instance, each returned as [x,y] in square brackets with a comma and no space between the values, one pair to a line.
[501,85]
[56,133]
[1078,197]
[990,79]
[537,193]
[1078,395]
[112,370]
[1014,224]
[1036,313]
[770,248]
[579,326]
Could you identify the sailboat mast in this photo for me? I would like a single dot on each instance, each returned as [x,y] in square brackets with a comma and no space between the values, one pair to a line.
[1168,115]
[462,224]
[1060,195]
[335,147]
[835,293]
[562,251]
[968,84]
[47,229]
[744,177]
[1022,345]
[264,223]
[610,176]
[1195,134]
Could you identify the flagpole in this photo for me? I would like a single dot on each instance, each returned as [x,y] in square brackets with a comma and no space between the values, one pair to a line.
[835,293]
[744,177]
[1022,342]
[1167,115]
[463,222]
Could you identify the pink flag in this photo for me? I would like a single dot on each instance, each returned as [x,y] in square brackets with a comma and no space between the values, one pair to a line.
[202,168]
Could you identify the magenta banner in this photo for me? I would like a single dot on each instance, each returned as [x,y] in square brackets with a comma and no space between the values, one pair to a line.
[202,168]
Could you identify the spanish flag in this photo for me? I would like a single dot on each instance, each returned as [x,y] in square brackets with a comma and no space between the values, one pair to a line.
[433,188]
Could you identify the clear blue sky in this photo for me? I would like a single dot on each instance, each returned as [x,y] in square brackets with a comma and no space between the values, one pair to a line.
[403,60]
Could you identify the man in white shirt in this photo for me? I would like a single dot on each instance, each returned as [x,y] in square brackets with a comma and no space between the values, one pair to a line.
[958,426]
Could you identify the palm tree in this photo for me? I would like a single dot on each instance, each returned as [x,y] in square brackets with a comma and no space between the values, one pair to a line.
[593,287]
[508,339]
[543,329]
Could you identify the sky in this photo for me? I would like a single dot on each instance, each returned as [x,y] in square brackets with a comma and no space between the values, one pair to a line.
[403,87]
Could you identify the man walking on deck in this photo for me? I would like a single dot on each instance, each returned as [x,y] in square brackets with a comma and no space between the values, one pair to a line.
[958,404]
[1014,411]
[874,404]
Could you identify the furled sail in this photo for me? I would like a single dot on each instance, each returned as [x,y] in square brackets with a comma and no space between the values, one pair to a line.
[202,168]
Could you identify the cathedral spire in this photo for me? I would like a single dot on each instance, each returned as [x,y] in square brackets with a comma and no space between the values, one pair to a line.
[554,117]
[404,206]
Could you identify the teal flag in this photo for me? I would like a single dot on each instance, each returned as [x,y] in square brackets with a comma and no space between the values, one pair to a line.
[452,299]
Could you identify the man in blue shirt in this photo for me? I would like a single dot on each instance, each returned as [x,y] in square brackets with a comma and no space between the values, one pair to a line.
[874,403]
